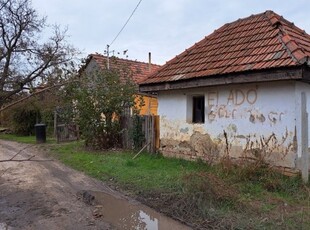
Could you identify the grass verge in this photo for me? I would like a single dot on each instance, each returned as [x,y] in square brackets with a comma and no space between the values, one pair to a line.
[24,139]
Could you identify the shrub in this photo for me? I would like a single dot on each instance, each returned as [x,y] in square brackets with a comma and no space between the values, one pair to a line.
[100,99]
[24,119]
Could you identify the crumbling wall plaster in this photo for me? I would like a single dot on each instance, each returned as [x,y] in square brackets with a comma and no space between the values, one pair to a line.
[244,121]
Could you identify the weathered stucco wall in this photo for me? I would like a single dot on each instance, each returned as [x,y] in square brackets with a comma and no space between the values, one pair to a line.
[299,88]
[251,120]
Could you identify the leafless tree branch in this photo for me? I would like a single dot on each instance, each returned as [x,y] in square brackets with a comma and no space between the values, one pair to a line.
[34,94]
[21,160]
[24,57]
[28,159]
[19,152]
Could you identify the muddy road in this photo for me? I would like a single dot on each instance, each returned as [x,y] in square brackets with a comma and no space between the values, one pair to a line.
[42,193]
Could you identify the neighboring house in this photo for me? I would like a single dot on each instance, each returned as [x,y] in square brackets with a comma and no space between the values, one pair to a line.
[127,68]
[237,92]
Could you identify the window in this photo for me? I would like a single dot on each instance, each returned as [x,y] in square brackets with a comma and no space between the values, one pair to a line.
[198,109]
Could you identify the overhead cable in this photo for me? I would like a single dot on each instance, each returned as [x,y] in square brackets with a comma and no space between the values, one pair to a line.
[126,22]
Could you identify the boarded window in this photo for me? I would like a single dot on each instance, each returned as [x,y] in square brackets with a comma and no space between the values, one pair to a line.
[198,109]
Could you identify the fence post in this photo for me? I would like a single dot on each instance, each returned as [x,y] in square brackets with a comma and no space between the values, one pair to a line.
[152,139]
[304,139]
[157,134]
[55,123]
[147,119]
[124,127]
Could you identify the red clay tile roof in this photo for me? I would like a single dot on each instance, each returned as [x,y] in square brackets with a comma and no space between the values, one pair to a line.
[138,70]
[258,42]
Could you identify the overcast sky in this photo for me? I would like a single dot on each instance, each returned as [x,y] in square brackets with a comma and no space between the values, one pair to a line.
[163,27]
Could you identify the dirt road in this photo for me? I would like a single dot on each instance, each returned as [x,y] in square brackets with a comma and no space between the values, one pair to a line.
[42,194]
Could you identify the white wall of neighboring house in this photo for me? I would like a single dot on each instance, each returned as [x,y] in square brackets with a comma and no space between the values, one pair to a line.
[245,120]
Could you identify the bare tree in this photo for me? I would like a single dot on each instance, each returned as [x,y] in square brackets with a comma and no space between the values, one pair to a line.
[25,60]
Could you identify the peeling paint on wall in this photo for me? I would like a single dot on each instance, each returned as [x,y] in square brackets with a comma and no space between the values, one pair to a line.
[198,146]
[246,121]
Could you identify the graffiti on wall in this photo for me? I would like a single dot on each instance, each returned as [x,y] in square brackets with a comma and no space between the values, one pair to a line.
[238,103]
[235,97]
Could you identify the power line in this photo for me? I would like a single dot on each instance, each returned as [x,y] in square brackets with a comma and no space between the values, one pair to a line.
[126,22]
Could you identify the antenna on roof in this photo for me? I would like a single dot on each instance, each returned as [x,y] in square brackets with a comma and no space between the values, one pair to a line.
[108,62]
[107,52]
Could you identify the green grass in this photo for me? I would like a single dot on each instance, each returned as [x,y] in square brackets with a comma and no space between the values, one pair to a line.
[24,139]
[145,173]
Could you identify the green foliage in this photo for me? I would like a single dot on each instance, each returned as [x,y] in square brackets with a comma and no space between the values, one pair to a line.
[47,117]
[137,132]
[100,99]
[24,119]
[38,109]
[65,112]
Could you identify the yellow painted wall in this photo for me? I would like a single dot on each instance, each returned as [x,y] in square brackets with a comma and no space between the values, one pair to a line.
[150,105]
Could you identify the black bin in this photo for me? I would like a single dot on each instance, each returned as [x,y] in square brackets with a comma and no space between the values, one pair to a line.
[40,130]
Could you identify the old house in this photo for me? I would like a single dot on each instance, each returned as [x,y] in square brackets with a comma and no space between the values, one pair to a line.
[237,92]
[127,68]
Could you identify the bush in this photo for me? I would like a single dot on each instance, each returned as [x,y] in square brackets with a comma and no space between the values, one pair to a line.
[47,117]
[24,119]
[100,99]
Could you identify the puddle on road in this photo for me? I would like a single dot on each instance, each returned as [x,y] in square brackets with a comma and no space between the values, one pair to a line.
[124,214]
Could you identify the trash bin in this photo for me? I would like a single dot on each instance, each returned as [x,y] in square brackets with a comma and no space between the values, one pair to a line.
[40,130]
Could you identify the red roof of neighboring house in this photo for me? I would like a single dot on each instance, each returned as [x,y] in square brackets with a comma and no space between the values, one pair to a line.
[138,70]
[258,42]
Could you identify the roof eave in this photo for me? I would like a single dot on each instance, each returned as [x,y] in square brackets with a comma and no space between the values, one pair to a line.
[279,74]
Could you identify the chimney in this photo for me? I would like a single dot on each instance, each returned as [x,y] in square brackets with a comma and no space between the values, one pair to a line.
[150,61]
